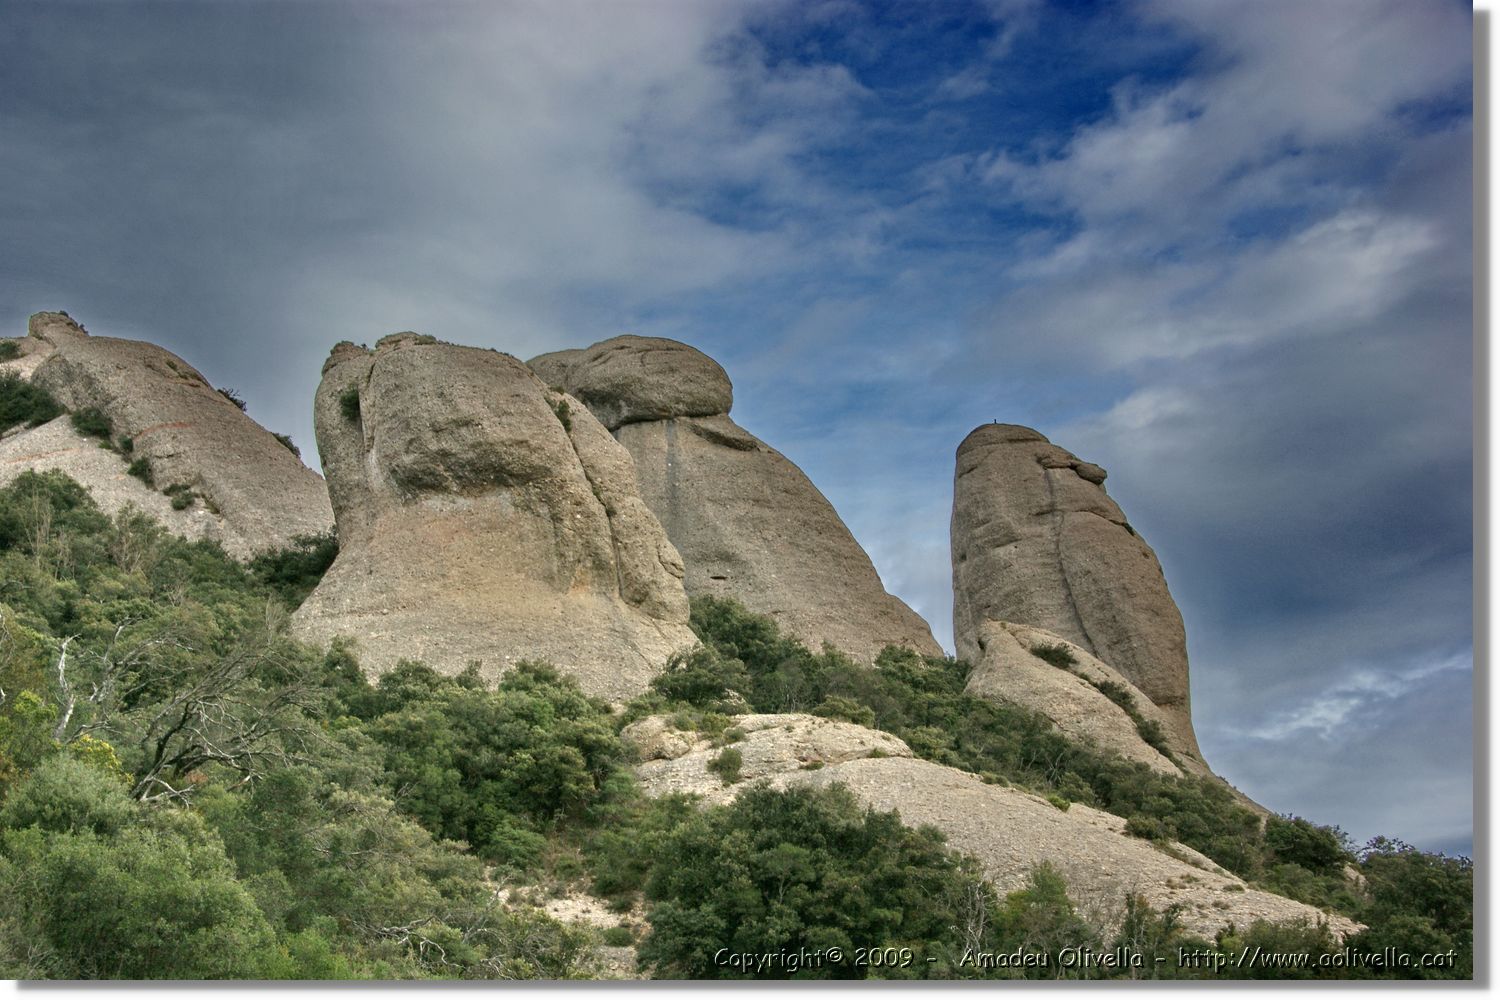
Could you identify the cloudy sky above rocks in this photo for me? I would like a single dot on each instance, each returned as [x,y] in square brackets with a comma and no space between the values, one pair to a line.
[1222,249]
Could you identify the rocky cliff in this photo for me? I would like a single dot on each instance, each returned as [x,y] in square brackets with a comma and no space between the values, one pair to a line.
[1037,541]
[484,517]
[241,486]
[748,523]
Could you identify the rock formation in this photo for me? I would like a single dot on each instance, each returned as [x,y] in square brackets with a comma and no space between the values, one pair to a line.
[1036,541]
[483,517]
[247,490]
[1086,699]
[1009,831]
[748,523]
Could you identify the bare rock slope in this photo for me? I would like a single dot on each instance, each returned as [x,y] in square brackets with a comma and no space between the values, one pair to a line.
[1009,831]
[1037,541]
[251,493]
[748,523]
[483,517]
[1087,700]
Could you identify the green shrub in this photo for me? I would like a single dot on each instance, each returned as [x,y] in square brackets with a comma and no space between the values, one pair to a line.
[618,937]
[294,572]
[22,402]
[287,443]
[349,403]
[784,872]
[478,765]
[66,795]
[181,494]
[846,709]
[125,444]
[564,417]
[727,765]
[141,469]
[234,398]
[1149,828]
[9,350]
[92,422]
[1319,849]
[702,676]
[1058,801]
[1056,654]
[1117,693]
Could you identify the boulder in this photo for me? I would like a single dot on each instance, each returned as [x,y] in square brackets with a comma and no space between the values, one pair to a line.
[250,492]
[485,518]
[748,524]
[1009,831]
[1037,541]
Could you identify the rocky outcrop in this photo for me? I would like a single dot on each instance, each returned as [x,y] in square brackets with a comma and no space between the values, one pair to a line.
[1008,830]
[248,491]
[483,517]
[748,523]
[1037,541]
[770,746]
[1085,698]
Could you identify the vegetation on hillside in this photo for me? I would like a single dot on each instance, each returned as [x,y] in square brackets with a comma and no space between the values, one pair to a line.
[187,793]
[22,403]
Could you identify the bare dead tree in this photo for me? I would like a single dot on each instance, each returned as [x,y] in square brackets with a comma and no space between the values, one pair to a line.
[224,718]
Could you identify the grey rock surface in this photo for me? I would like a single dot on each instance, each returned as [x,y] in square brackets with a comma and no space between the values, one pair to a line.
[748,523]
[1037,541]
[253,493]
[1009,668]
[1008,830]
[55,445]
[629,379]
[483,517]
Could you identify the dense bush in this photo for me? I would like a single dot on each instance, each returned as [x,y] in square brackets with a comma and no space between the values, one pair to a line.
[21,402]
[294,572]
[806,871]
[496,768]
[92,422]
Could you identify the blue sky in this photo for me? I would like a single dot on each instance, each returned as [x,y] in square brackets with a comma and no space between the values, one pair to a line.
[1222,249]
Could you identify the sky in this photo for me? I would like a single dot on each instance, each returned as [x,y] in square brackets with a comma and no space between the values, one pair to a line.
[1223,249]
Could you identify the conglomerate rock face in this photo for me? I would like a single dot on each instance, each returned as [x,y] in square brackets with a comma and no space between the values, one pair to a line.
[484,517]
[250,492]
[1037,541]
[1009,831]
[748,523]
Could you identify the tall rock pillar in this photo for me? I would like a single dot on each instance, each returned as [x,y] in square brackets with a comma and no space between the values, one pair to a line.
[1037,541]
